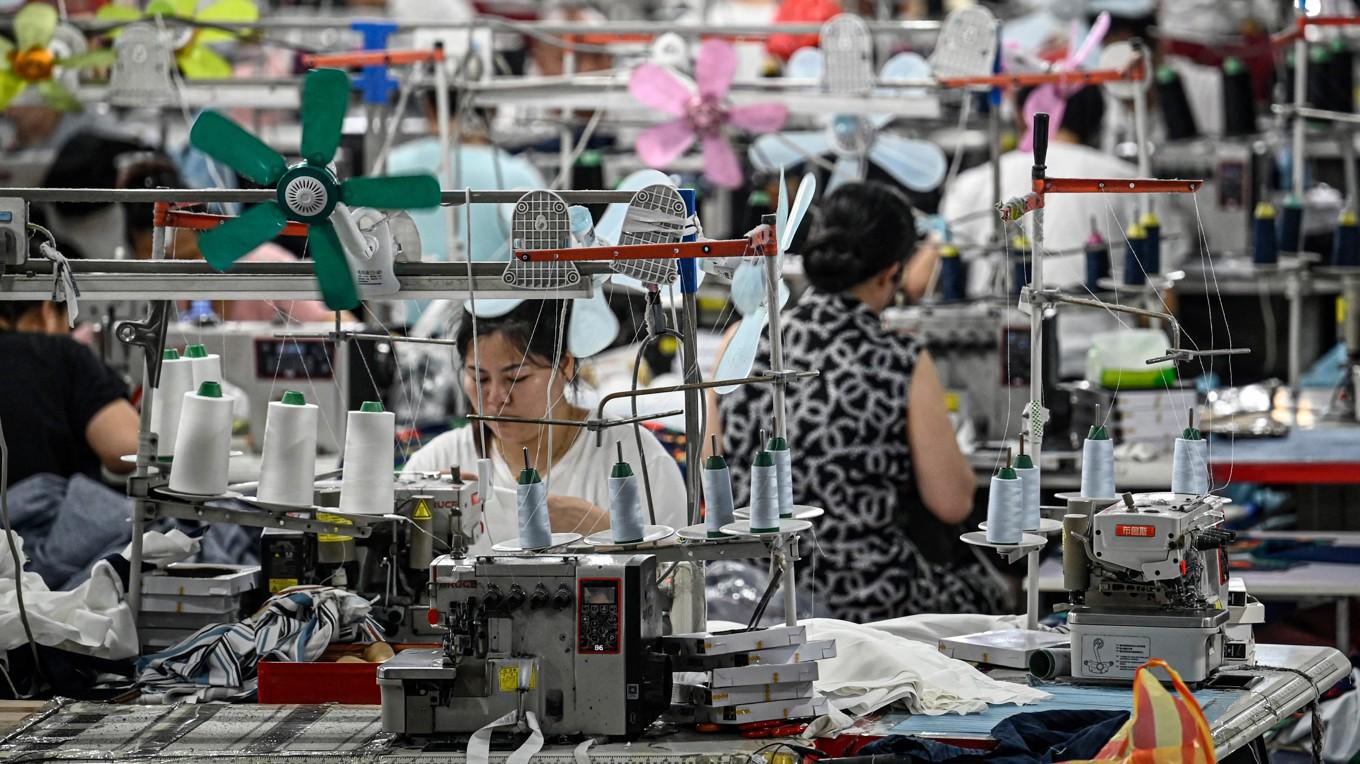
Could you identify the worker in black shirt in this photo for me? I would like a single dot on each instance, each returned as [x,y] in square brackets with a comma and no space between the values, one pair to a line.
[64,412]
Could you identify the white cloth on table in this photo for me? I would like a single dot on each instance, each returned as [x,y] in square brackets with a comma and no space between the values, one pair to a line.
[932,627]
[874,669]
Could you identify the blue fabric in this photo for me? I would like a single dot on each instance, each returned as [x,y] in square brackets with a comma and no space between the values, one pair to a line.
[1029,738]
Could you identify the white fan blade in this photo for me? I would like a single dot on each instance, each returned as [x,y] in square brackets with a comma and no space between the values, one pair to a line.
[777,150]
[611,222]
[781,209]
[806,64]
[847,171]
[740,355]
[918,165]
[807,188]
[593,325]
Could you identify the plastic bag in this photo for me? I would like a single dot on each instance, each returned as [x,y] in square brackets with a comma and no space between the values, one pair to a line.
[1164,728]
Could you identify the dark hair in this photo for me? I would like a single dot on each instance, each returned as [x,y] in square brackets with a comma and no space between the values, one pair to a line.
[87,160]
[1084,115]
[155,171]
[862,229]
[534,327]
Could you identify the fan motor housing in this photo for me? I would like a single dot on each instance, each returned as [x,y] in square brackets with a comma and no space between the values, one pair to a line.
[308,194]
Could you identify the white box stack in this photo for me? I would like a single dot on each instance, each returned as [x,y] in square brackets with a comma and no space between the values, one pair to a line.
[185,597]
[739,677]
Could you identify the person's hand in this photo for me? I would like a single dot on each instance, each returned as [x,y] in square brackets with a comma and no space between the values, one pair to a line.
[570,514]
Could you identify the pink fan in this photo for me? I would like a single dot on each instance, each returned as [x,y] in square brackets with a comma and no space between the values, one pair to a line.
[1052,99]
[699,115]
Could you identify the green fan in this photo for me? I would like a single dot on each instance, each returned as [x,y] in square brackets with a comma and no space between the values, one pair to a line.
[308,192]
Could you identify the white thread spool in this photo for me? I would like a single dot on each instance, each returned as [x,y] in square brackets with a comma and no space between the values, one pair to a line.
[207,366]
[764,494]
[1004,508]
[177,378]
[1029,504]
[783,465]
[625,506]
[366,484]
[203,442]
[288,460]
[1190,467]
[531,509]
[716,478]
[1097,468]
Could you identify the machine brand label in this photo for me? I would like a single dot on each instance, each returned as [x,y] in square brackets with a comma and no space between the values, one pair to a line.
[1139,531]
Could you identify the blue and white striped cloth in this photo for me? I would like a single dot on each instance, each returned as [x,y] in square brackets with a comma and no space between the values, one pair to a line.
[220,662]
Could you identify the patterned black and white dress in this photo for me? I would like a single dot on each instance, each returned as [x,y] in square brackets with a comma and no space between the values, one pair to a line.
[848,431]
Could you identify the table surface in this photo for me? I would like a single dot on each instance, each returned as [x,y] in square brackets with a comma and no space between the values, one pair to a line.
[72,731]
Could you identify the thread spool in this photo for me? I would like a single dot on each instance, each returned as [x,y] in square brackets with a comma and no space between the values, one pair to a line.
[1342,75]
[953,274]
[207,366]
[1346,241]
[288,461]
[625,506]
[783,466]
[764,493]
[716,478]
[1177,116]
[177,378]
[203,442]
[1190,461]
[1239,102]
[1264,246]
[531,508]
[1004,507]
[1097,259]
[1028,473]
[366,484]
[1133,255]
[1051,662]
[1291,225]
[1152,244]
[1097,463]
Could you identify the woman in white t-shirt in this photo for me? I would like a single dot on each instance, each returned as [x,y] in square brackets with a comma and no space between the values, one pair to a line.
[518,379]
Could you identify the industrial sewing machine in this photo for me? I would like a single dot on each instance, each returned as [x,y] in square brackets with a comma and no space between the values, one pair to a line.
[1147,577]
[573,640]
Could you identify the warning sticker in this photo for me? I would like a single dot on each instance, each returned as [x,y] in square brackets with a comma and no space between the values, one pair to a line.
[422,511]
[1115,655]
[277,585]
[509,679]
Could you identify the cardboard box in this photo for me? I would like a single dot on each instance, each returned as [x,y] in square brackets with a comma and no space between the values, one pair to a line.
[739,696]
[201,580]
[773,674]
[816,650]
[705,643]
[224,605]
[763,712]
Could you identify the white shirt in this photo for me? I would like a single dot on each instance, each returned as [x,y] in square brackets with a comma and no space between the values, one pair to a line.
[583,472]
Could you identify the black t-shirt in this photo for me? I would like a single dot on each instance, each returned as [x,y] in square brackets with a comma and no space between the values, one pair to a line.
[50,388]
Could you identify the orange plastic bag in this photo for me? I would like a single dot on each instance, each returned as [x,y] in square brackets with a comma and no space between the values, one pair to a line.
[1164,728]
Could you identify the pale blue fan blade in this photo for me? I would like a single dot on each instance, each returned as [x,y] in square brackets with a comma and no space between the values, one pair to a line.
[501,255]
[918,165]
[777,150]
[610,226]
[1027,32]
[740,355]
[582,225]
[748,287]
[593,325]
[781,210]
[905,66]
[806,64]
[807,188]
[847,171]
[493,308]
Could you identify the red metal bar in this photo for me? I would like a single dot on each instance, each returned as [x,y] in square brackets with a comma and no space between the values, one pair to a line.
[681,251]
[166,216]
[1073,77]
[1115,186]
[374,58]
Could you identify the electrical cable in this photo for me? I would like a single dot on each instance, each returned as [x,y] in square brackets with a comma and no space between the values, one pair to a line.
[14,556]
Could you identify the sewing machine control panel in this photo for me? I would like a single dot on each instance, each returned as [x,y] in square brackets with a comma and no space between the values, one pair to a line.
[599,616]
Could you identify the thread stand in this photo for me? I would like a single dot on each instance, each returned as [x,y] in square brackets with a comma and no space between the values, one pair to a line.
[650,535]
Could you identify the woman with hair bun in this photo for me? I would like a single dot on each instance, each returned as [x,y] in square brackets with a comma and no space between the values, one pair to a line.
[871,430]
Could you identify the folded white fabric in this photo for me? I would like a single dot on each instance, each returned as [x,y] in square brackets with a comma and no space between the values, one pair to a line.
[932,627]
[873,669]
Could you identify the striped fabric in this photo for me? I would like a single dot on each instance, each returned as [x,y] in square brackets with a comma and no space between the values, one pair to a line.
[219,662]
[1164,728]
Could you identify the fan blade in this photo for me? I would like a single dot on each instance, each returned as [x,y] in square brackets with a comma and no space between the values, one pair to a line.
[847,170]
[781,210]
[331,267]
[610,226]
[325,96]
[593,325]
[720,162]
[1078,57]
[918,165]
[493,308]
[771,152]
[10,87]
[740,355]
[714,67]
[396,192]
[57,96]
[748,287]
[230,144]
[34,25]
[5,47]
[229,242]
[660,88]
[225,11]
[807,188]
[806,64]
[905,66]
[199,62]
[662,144]
[89,59]
[183,9]
[115,12]
[758,117]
